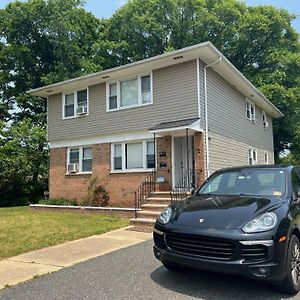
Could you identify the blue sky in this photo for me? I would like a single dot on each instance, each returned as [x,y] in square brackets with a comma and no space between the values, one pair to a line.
[105,8]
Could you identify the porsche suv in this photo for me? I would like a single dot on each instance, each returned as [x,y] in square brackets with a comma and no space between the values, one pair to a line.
[243,220]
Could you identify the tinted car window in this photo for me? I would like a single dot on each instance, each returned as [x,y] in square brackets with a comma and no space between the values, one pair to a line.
[271,182]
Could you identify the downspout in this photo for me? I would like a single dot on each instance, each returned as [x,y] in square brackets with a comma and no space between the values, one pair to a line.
[206,114]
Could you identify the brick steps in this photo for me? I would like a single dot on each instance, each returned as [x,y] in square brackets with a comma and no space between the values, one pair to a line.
[151,210]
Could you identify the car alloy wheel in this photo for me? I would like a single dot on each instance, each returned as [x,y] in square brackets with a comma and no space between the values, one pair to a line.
[295,263]
[291,284]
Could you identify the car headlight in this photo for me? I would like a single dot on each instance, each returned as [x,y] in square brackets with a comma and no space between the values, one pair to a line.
[165,216]
[262,223]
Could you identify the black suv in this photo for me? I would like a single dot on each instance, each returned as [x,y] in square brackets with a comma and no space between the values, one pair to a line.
[243,220]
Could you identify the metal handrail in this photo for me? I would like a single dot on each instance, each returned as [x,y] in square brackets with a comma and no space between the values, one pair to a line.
[147,187]
[189,180]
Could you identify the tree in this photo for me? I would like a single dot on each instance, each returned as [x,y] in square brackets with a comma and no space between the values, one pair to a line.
[41,42]
[23,161]
[259,41]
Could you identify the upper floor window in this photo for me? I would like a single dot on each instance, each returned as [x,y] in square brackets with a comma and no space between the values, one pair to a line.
[75,104]
[264,120]
[133,156]
[250,110]
[131,92]
[80,159]
[266,158]
[252,156]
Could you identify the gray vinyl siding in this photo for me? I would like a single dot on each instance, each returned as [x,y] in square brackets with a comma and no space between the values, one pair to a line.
[225,152]
[174,98]
[227,115]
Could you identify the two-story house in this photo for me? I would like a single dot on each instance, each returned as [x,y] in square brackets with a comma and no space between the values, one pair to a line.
[190,109]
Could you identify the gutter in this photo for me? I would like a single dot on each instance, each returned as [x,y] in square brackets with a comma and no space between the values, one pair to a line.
[206,114]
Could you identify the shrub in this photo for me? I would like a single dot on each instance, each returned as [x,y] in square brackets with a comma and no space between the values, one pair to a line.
[59,201]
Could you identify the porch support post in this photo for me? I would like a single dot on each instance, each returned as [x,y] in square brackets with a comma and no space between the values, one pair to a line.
[187,157]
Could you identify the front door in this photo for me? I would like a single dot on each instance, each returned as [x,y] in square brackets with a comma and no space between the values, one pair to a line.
[183,157]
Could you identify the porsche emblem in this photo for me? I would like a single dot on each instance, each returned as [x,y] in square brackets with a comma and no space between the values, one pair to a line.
[201,220]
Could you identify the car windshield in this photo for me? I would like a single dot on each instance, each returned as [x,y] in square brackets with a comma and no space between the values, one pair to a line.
[248,181]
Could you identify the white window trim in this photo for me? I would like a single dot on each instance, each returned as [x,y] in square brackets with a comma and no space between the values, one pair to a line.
[266,155]
[140,103]
[251,104]
[265,123]
[124,170]
[75,103]
[80,160]
[255,162]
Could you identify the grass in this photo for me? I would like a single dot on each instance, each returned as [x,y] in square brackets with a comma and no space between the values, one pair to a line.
[23,230]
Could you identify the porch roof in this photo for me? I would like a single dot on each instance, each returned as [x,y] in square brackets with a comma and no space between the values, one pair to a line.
[193,124]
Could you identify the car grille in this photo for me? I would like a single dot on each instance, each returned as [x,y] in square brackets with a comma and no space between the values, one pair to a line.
[252,253]
[159,240]
[200,246]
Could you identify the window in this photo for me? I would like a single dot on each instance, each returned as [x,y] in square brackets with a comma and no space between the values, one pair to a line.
[264,120]
[133,156]
[250,110]
[80,159]
[150,156]
[131,92]
[252,156]
[75,104]
[118,157]
[266,158]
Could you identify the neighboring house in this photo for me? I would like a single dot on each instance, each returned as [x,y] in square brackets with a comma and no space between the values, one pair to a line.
[189,109]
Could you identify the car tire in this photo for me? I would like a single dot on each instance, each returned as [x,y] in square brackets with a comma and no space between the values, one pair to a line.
[172,267]
[291,284]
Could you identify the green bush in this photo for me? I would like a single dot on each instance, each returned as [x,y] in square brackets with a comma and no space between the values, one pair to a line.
[59,201]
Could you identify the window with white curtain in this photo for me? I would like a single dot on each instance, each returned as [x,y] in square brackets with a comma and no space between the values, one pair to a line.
[131,92]
[133,156]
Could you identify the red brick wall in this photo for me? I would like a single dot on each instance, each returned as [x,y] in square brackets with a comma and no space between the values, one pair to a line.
[120,187]
[199,157]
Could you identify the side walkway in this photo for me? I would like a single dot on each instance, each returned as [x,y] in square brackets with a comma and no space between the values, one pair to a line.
[32,264]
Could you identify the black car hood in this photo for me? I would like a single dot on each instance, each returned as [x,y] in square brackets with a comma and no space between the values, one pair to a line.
[227,212]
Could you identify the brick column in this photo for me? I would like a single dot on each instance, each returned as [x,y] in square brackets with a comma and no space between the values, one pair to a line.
[199,157]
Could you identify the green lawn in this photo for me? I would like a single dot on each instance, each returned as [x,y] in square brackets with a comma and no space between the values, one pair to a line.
[23,229]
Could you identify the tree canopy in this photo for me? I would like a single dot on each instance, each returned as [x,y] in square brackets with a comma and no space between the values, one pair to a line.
[46,41]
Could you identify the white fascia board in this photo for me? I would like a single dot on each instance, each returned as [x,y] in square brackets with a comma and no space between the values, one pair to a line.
[194,126]
[114,138]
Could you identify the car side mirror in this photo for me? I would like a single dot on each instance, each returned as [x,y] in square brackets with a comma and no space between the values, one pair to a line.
[193,191]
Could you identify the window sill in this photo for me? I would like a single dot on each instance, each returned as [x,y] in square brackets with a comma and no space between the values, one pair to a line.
[75,117]
[129,107]
[78,173]
[131,171]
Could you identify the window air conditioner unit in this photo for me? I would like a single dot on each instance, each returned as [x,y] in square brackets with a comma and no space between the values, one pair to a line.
[81,110]
[73,168]
[266,125]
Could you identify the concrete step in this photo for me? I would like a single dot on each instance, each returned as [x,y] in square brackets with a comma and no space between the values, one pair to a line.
[154,207]
[157,200]
[161,195]
[148,214]
[143,221]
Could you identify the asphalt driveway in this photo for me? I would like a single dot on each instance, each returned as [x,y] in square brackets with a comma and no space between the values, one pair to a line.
[133,273]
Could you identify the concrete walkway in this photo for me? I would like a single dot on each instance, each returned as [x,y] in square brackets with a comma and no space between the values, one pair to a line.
[33,264]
